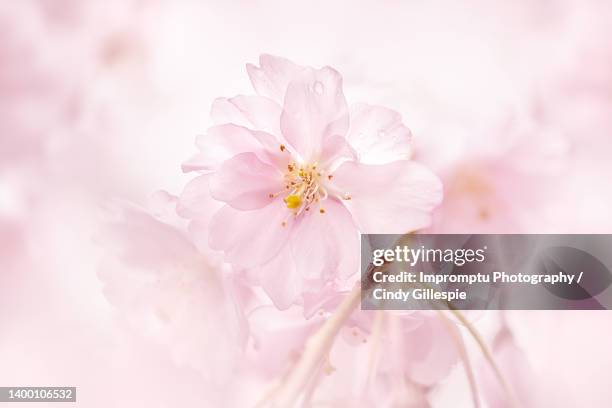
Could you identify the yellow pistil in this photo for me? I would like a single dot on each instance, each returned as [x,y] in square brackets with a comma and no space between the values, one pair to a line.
[293,201]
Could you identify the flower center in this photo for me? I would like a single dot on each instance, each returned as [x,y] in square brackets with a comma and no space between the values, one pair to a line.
[305,186]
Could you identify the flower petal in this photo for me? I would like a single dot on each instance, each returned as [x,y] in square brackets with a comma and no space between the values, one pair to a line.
[195,202]
[280,280]
[336,149]
[245,182]
[278,337]
[429,351]
[223,142]
[314,109]
[325,245]
[197,162]
[393,198]
[219,144]
[250,238]
[378,135]
[517,370]
[273,76]
[255,112]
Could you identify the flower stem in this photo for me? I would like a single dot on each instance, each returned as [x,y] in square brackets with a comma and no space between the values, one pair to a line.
[469,373]
[488,356]
[315,349]
[375,346]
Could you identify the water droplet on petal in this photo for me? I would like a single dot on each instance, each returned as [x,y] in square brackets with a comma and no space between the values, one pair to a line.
[318,87]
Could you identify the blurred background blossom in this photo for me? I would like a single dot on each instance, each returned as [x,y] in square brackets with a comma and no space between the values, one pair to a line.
[510,103]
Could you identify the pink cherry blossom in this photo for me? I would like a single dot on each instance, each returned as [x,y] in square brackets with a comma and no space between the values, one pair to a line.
[484,184]
[168,292]
[299,175]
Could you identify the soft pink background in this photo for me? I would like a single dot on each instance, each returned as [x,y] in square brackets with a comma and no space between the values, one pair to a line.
[102,100]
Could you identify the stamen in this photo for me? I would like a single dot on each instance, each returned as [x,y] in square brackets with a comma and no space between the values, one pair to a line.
[274,195]
[303,183]
[324,196]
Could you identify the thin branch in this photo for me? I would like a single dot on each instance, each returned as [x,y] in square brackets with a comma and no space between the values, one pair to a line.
[316,348]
